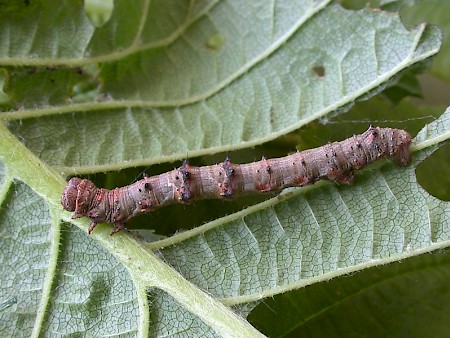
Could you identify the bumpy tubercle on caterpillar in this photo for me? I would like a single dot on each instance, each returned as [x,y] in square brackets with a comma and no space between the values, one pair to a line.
[334,161]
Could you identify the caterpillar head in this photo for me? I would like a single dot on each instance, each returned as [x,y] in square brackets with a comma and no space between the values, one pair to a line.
[77,196]
[69,196]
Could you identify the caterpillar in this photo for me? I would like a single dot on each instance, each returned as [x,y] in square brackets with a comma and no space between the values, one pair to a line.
[335,161]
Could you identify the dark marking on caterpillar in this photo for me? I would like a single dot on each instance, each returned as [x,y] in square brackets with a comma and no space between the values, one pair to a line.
[226,183]
[335,161]
[184,191]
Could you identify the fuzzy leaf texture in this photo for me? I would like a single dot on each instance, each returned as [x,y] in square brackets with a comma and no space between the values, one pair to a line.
[162,79]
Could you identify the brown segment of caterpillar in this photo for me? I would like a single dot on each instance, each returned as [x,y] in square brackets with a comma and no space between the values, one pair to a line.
[334,161]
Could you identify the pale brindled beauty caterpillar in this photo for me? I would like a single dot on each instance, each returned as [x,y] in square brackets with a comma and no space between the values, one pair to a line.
[334,161]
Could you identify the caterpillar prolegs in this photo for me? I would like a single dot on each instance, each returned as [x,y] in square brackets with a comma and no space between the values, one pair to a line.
[334,161]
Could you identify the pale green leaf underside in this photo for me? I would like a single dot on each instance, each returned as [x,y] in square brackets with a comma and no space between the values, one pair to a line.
[259,98]
[165,315]
[163,47]
[25,256]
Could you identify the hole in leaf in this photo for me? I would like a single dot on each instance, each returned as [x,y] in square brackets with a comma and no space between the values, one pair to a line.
[98,11]
[319,71]
[433,174]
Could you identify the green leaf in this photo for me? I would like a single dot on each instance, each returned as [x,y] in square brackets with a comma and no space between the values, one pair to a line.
[159,80]
[152,119]
[409,298]
[432,11]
